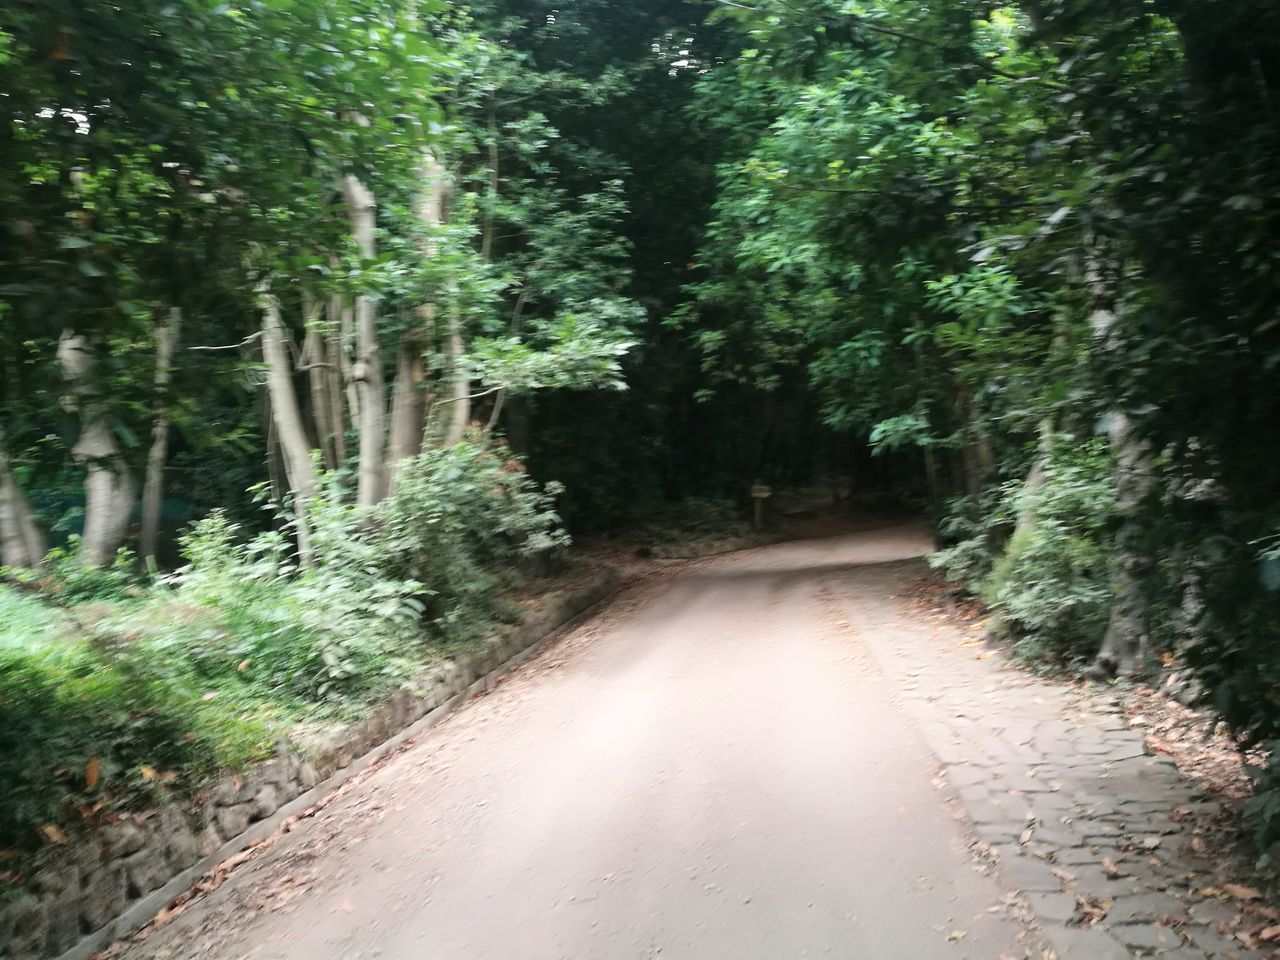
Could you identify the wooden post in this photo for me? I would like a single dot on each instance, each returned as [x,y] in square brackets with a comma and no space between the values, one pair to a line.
[760,492]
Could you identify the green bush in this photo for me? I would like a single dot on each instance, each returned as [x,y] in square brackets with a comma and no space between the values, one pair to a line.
[68,580]
[695,518]
[1050,588]
[67,705]
[455,524]
[970,529]
[159,686]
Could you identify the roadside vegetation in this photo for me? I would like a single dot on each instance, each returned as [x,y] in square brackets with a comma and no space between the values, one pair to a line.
[117,689]
[315,314]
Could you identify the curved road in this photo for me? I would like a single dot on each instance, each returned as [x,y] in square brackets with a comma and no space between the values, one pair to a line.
[713,767]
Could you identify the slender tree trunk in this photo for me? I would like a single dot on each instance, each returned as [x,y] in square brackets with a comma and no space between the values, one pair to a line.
[372,474]
[109,488]
[333,393]
[22,544]
[486,236]
[167,333]
[1026,519]
[313,363]
[318,364]
[290,429]
[274,463]
[459,384]
[345,387]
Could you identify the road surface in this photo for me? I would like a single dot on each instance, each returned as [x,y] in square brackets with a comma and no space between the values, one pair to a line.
[715,766]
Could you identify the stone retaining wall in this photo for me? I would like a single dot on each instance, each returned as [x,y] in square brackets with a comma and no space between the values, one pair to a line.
[107,884]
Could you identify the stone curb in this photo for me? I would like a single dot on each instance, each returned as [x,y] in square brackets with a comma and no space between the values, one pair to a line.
[404,715]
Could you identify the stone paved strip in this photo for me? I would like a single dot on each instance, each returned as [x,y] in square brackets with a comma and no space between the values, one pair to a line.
[1077,816]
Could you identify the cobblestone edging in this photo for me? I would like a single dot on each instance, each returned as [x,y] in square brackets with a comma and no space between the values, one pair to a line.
[1093,831]
[82,897]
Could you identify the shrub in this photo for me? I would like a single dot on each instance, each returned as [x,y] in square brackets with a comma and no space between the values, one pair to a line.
[456,522]
[696,518]
[423,567]
[153,688]
[1050,588]
[970,529]
[85,732]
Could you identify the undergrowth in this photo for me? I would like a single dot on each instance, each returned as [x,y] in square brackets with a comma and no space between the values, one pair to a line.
[115,690]
[1045,580]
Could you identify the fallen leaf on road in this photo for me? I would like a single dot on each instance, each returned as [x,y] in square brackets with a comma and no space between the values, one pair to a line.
[1270,933]
[957,935]
[172,913]
[1092,908]
[1112,869]
[53,833]
[92,770]
[1240,891]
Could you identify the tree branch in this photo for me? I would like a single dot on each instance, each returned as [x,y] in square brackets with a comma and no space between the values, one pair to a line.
[232,346]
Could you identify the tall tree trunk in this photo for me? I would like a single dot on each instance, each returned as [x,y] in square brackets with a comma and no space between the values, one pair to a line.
[459,383]
[314,361]
[320,363]
[1026,519]
[1125,643]
[408,396]
[977,459]
[290,429]
[333,392]
[340,319]
[167,332]
[408,404]
[22,544]
[108,486]
[372,474]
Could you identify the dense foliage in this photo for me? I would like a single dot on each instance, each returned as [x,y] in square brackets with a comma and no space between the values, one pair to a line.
[1016,262]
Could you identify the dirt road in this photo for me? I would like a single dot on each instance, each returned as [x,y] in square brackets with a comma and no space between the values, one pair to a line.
[714,767]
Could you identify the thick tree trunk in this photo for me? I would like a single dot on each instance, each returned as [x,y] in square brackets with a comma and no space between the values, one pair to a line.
[408,406]
[290,429]
[22,544]
[408,396]
[108,486]
[167,332]
[977,459]
[1125,643]
[372,474]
